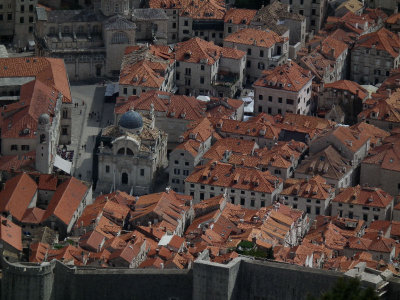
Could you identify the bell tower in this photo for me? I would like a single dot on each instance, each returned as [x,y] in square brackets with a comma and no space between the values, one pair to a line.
[43,148]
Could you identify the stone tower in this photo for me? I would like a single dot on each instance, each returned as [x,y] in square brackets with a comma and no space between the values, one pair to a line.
[43,149]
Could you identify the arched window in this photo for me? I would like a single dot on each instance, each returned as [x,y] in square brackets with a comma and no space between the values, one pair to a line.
[124,178]
[120,38]
[129,151]
[121,151]
[42,138]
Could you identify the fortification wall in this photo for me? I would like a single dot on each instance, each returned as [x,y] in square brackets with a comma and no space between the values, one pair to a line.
[87,283]
[242,278]
[27,281]
[269,280]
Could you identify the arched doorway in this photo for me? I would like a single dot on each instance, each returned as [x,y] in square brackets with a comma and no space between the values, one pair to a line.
[124,178]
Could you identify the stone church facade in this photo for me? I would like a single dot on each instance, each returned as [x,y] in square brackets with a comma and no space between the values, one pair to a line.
[130,154]
[92,41]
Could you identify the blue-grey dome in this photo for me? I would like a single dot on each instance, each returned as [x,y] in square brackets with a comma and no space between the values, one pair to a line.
[131,120]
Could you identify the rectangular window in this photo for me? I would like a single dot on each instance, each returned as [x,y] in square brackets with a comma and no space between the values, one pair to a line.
[252,202]
[308,209]
[201,80]
[188,71]
[241,201]
[202,67]
[192,185]
[186,23]
[125,91]
[289,101]
[30,19]
[248,51]
[64,131]
[21,20]
[141,172]
[14,147]
[365,217]
[280,100]
[261,53]
[262,203]
[177,171]
[185,172]
[107,169]
[317,211]
[201,196]
[9,17]
[22,8]
[270,98]
[25,147]
[173,25]
[232,199]
[1,17]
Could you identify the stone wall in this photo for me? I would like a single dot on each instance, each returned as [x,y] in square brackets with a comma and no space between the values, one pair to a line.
[242,278]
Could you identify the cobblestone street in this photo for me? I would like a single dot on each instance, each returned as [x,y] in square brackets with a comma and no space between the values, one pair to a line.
[88,118]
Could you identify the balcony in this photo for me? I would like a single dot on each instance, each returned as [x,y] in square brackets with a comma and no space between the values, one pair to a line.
[226,79]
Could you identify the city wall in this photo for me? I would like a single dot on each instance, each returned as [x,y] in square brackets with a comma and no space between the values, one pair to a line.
[242,278]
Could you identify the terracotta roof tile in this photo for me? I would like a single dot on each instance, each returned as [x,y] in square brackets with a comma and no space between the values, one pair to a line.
[17,195]
[10,233]
[196,50]
[51,71]
[365,196]
[315,188]
[350,86]
[226,175]
[36,98]
[66,200]
[174,106]
[256,37]
[239,16]
[382,39]
[327,163]
[47,182]
[289,77]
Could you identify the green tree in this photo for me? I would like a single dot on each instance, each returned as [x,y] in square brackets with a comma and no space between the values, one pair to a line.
[348,289]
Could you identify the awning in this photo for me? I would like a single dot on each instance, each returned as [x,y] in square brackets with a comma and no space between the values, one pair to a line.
[63,164]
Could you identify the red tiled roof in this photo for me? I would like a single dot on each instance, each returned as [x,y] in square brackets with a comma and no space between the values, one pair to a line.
[315,188]
[382,39]
[18,162]
[33,215]
[66,200]
[47,182]
[350,86]
[226,175]
[332,48]
[196,50]
[175,106]
[17,195]
[365,196]
[168,206]
[10,233]
[376,134]
[393,19]
[239,16]
[290,77]
[50,71]
[256,37]
[204,9]
[385,110]
[387,156]
[36,98]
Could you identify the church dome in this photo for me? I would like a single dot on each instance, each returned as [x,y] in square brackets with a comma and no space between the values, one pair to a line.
[131,120]
[44,119]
